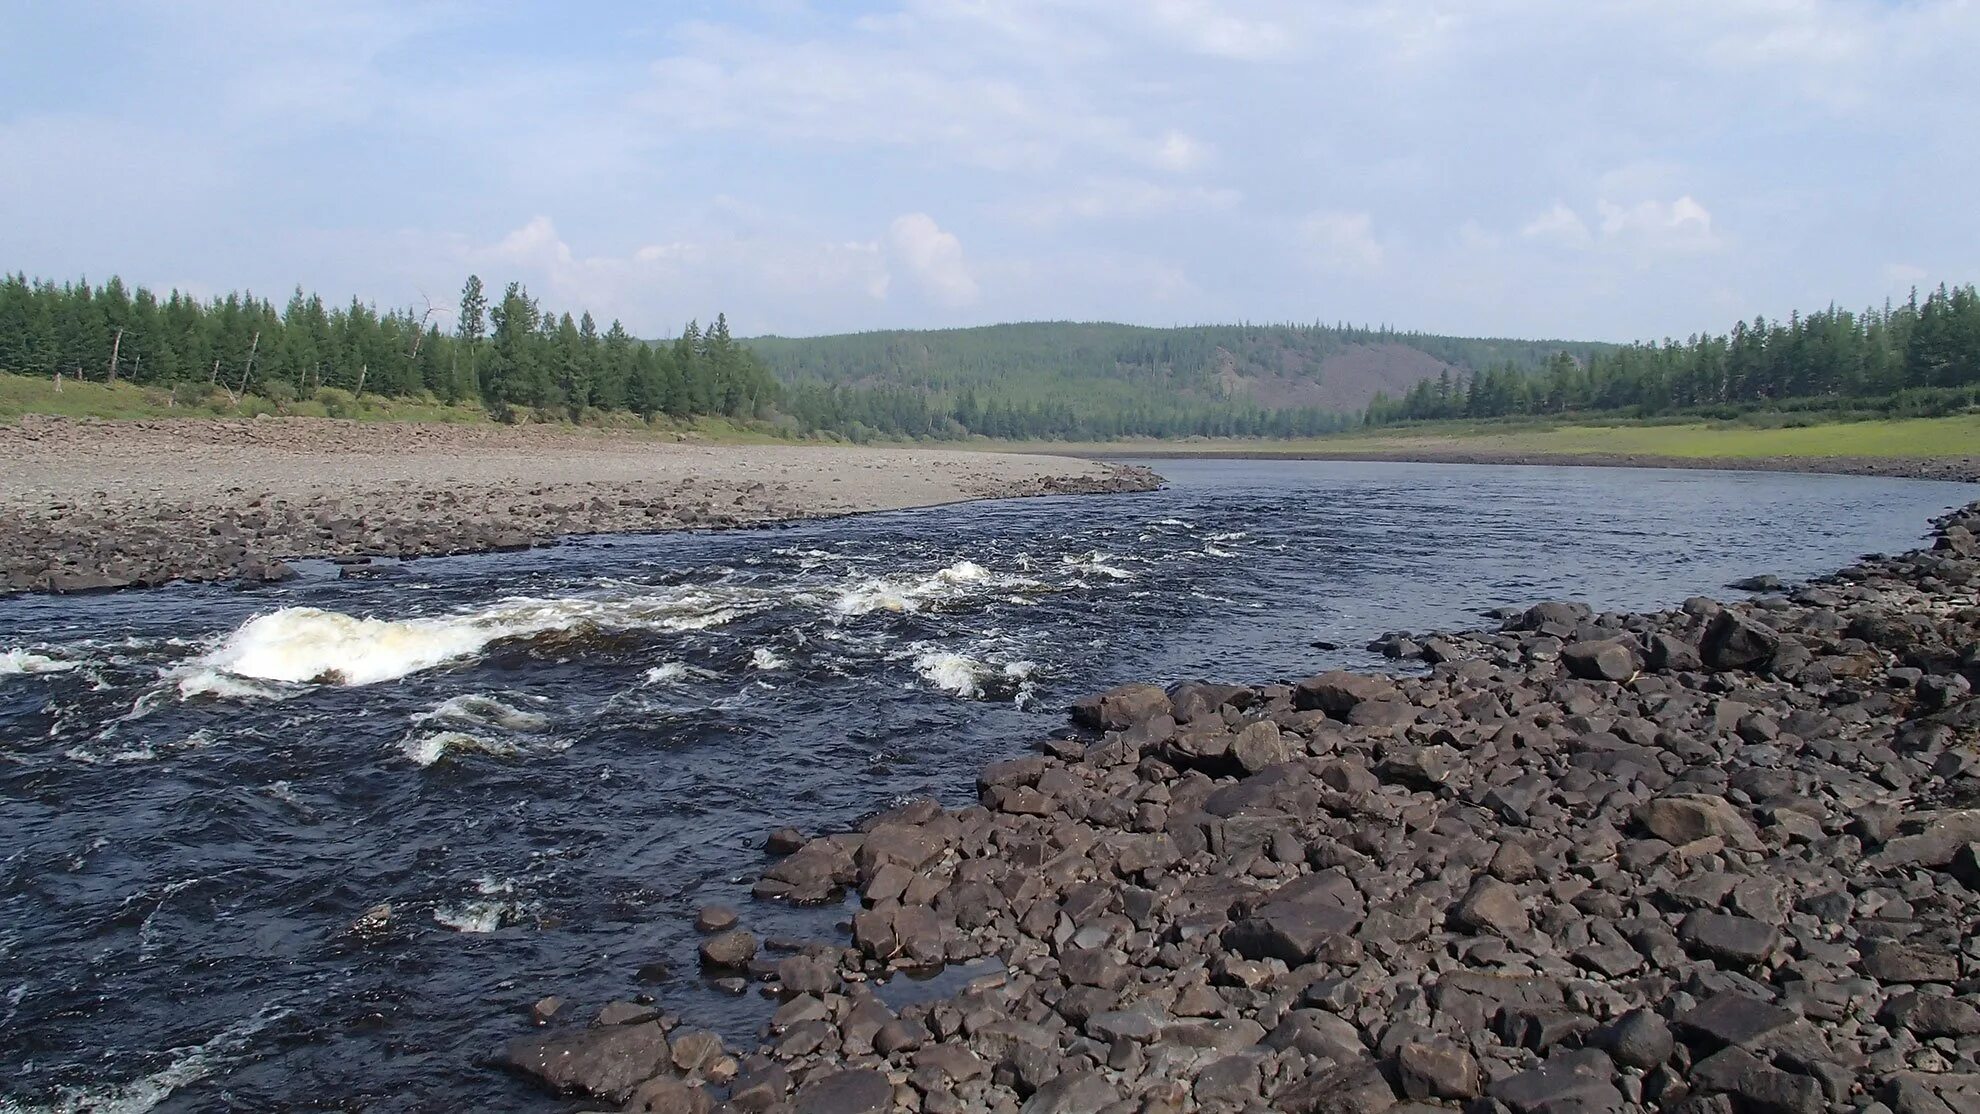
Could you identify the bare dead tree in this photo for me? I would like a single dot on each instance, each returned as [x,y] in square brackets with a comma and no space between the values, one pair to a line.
[116,345]
[419,331]
[253,347]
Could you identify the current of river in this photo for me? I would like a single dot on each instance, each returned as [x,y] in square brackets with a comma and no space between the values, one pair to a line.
[544,761]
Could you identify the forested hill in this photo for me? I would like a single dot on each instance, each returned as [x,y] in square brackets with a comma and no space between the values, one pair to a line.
[1918,358]
[1178,380]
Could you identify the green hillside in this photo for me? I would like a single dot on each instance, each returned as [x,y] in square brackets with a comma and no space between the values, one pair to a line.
[1063,378]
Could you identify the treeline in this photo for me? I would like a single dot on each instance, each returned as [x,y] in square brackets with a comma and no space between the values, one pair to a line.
[1049,353]
[1918,357]
[510,355]
[862,413]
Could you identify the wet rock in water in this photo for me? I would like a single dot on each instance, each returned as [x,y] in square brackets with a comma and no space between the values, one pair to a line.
[715,918]
[605,1063]
[1554,616]
[731,950]
[1121,708]
[1765,582]
[783,841]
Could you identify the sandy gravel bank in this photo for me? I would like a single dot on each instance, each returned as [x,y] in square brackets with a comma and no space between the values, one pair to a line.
[89,505]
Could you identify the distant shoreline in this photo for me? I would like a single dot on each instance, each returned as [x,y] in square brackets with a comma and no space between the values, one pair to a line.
[1955,469]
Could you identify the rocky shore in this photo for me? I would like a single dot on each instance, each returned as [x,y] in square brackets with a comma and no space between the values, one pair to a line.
[1956,469]
[90,506]
[1720,860]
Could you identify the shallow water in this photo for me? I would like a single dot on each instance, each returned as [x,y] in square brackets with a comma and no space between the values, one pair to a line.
[544,761]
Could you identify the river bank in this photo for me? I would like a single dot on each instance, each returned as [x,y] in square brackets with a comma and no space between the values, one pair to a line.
[1957,469]
[90,505]
[1717,858]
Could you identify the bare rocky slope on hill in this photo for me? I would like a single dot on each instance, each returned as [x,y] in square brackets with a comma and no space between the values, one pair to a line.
[1723,859]
[92,505]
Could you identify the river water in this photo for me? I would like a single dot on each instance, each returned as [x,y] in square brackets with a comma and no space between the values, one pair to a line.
[544,761]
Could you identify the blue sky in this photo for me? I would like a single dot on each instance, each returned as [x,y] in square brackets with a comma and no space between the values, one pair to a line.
[1620,170]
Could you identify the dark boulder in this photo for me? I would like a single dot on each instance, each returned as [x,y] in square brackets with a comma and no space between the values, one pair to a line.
[606,1063]
[1733,641]
[856,1091]
[1338,693]
[1609,660]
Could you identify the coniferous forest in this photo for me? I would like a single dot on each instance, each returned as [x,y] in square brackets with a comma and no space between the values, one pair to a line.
[1918,358]
[506,352]
[1056,380]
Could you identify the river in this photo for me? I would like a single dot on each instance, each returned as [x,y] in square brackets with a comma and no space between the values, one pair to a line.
[543,762]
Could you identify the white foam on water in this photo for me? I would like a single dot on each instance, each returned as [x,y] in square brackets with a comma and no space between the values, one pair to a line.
[670,673]
[18,662]
[491,911]
[765,659]
[188,1065]
[911,592]
[472,916]
[1098,564]
[478,710]
[425,750]
[308,645]
[1174,522]
[1228,536]
[973,678]
[223,686]
[143,751]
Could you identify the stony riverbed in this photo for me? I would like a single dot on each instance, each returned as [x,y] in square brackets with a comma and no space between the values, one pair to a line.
[1723,858]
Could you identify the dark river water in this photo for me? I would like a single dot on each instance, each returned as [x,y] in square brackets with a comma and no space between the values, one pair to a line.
[545,761]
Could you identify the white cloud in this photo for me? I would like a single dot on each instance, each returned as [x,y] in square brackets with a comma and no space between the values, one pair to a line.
[879,91]
[1560,226]
[1148,159]
[1179,152]
[1125,199]
[933,258]
[1676,226]
[1209,28]
[1342,241]
[767,279]
[1644,228]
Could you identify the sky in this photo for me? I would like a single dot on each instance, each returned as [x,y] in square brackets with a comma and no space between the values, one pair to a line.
[1627,169]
